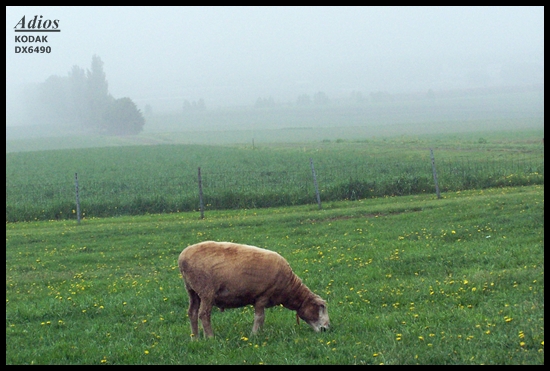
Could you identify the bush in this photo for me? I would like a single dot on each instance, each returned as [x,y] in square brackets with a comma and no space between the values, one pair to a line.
[123,118]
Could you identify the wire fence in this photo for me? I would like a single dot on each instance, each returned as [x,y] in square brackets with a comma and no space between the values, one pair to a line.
[238,189]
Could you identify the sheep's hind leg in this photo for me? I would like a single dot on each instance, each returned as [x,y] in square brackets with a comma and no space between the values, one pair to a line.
[205,311]
[193,312]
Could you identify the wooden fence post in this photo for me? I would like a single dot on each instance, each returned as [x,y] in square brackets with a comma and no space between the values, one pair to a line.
[315,183]
[435,174]
[77,198]
[201,203]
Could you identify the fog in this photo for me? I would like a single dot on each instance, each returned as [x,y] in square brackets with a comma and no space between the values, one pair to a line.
[231,56]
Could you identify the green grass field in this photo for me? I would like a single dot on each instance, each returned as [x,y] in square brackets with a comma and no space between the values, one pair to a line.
[134,180]
[408,280]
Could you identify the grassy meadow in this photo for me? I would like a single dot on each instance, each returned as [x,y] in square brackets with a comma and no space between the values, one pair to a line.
[139,179]
[408,280]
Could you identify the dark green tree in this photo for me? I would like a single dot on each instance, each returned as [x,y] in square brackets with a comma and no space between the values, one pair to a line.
[122,117]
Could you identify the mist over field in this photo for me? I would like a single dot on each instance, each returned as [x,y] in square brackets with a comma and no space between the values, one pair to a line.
[260,68]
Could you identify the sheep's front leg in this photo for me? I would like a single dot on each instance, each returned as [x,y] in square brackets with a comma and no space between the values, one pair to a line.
[258,317]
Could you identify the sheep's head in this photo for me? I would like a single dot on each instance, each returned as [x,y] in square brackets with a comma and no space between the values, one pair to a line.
[315,313]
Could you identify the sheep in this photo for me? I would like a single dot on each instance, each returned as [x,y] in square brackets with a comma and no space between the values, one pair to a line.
[232,275]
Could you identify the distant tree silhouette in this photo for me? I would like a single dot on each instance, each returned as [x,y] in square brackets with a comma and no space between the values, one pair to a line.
[357,97]
[194,106]
[122,117]
[303,100]
[320,99]
[82,100]
[148,110]
[264,102]
[98,95]
[381,96]
[79,107]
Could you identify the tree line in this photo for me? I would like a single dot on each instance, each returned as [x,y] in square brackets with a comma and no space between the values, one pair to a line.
[82,100]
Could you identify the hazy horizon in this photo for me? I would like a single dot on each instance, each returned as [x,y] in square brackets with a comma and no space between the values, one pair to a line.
[231,56]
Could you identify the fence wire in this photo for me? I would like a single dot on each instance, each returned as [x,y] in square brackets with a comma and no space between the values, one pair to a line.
[232,189]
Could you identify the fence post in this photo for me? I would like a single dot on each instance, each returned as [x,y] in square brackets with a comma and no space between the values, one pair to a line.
[315,183]
[201,203]
[435,174]
[77,198]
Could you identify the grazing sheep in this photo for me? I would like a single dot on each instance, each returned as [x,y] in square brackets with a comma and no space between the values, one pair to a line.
[231,275]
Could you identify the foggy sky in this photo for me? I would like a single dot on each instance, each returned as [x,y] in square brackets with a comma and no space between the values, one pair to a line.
[233,55]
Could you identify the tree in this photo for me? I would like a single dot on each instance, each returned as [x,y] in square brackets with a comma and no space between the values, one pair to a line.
[357,97]
[320,99]
[122,117]
[82,99]
[265,103]
[148,110]
[98,95]
[380,96]
[79,107]
[194,106]
[303,100]
[47,102]
[201,106]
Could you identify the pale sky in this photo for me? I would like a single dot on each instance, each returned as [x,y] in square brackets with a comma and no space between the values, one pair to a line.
[233,55]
